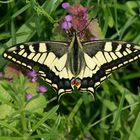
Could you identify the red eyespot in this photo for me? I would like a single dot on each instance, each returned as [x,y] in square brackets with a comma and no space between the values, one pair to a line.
[76,82]
[73,82]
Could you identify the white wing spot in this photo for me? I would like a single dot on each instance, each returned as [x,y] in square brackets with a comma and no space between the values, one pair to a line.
[42,47]
[12,49]
[103,78]
[50,58]
[29,67]
[113,55]
[125,53]
[21,46]
[23,64]
[119,54]
[61,91]
[87,72]
[108,46]
[48,81]
[120,65]
[18,62]
[130,60]
[40,71]
[128,45]
[107,56]
[24,55]
[100,57]
[97,83]
[5,55]
[91,89]
[90,63]
[128,51]
[43,74]
[14,59]
[36,57]
[118,47]
[136,57]
[96,61]
[31,48]
[53,63]
[115,67]
[135,50]
[42,58]
[108,70]
[125,62]
[55,86]
[21,52]
[61,62]
[137,47]
[10,57]
[31,55]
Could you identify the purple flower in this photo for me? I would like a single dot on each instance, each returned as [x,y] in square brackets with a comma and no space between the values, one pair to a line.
[65,5]
[29,96]
[68,18]
[66,25]
[33,75]
[41,89]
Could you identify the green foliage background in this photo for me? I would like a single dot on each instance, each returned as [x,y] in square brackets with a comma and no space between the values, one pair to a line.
[114,114]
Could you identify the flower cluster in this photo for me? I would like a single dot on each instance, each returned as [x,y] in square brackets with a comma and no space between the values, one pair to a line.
[77,17]
[77,20]
[41,88]
[32,74]
[29,96]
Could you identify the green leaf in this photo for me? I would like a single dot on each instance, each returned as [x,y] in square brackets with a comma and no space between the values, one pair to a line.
[135,133]
[5,110]
[47,115]
[7,125]
[10,138]
[37,104]
[4,95]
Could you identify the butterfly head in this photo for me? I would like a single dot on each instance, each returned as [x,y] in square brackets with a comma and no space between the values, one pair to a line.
[75,83]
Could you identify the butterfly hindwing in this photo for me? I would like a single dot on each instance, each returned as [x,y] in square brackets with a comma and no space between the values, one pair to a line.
[103,57]
[49,57]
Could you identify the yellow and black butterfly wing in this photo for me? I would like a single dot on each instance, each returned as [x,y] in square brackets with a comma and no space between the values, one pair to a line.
[58,62]
[103,57]
[49,57]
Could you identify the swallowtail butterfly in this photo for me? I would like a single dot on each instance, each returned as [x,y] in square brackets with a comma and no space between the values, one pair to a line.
[66,65]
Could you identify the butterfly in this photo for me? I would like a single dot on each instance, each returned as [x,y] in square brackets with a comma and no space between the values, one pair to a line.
[66,65]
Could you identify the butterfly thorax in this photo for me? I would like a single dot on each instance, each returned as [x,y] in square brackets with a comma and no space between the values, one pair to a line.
[75,56]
